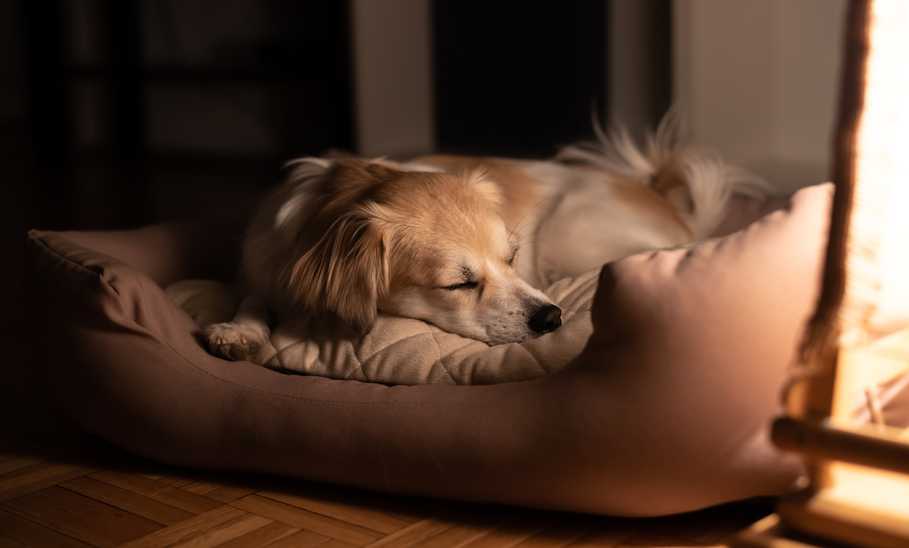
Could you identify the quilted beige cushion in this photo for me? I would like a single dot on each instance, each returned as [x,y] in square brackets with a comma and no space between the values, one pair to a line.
[405,351]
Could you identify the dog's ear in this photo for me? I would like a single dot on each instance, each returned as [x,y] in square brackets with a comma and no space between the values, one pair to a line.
[329,185]
[345,273]
[351,181]
[305,174]
[479,178]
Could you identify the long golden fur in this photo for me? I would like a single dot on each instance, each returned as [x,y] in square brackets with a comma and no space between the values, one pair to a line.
[466,243]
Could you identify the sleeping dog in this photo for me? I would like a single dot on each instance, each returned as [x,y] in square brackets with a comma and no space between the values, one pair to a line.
[466,243]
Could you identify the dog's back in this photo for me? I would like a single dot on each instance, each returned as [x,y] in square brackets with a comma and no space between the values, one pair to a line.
[597,202]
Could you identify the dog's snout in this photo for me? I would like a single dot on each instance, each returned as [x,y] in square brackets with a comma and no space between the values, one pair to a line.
[546,318]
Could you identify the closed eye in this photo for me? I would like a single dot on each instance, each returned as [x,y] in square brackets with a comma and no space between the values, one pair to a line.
[462,285]
[514,254]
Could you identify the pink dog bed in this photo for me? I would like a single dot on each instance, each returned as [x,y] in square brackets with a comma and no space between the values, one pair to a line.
[665,411]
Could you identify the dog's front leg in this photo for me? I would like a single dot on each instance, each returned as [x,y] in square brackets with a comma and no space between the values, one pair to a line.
[246,338]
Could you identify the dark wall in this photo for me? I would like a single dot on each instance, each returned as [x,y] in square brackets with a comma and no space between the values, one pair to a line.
[518,81]
[124,112]
[139,110]
[14,193]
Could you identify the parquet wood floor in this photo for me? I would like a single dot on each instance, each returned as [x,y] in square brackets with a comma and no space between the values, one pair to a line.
[60,487]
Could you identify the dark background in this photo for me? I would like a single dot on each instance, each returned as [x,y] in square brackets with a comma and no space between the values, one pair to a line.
[119,113]
[124,112]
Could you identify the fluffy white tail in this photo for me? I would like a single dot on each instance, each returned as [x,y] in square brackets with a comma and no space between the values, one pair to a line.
[698,182]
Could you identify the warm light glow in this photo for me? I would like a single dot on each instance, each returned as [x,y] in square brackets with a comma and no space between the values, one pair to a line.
[850,378]
[861,368]
[876,301]
[884,493]
[877,289]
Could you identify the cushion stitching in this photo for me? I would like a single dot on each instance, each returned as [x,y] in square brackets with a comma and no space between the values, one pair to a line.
[359,364]
[64,259]
[441,360]
[398,341]
[204,371]
[429,331]
[536,360]
[69,262]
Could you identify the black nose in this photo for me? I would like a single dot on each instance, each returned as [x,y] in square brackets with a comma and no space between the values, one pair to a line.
[547,318]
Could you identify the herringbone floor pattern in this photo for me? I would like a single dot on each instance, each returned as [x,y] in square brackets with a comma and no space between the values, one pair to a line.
[103,497]
[61,487]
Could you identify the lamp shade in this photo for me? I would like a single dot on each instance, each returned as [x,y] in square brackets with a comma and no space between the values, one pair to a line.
[857,341]
[876,261]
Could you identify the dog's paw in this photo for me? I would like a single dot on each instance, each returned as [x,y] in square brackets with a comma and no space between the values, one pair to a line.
[236,342]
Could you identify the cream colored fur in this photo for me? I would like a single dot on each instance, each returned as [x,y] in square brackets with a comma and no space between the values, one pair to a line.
[435,239]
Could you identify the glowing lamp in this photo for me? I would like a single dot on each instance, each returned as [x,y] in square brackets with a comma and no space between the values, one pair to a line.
[855,353]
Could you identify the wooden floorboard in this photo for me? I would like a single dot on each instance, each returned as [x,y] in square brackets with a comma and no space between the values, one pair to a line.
[28,533]
[330,527]
[48,503]
[81,517]
[60,487]
[129,501]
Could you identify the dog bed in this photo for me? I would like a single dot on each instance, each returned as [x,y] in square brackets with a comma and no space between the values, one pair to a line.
[406,351]
[665,410]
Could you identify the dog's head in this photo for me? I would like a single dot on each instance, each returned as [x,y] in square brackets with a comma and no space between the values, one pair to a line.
[376,236]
